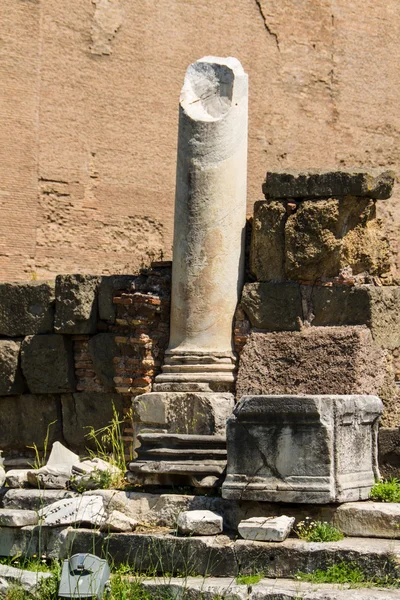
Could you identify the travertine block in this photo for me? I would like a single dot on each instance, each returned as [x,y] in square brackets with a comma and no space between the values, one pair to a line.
[316,360]
[325,236]
[11,381]
[273,306]
[303,449]
[26,308]
[76,304]
[320,184]
[47,364]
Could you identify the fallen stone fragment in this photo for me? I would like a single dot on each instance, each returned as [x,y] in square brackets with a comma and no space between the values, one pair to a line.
[270,529]
[309,184]
[369,519]
[119,523]
[83,509]
[10,517]
[17,478]
[29,581]
[199,522]
[57,472]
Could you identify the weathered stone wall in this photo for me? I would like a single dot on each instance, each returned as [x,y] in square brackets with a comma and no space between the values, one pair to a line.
[89,113]
[72,348]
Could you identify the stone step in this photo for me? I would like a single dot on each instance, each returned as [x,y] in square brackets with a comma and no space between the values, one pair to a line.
[210,588]
[222,556]
[355,519]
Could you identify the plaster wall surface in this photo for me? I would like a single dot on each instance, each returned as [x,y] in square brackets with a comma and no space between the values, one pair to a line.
[89,114]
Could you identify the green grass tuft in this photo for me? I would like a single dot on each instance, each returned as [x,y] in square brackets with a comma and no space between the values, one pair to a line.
[249,579]
[348,573]
[386,491]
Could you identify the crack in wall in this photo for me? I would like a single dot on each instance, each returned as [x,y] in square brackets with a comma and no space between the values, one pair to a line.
[266,25]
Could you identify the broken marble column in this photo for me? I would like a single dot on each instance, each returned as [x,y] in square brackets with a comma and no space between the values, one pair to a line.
[192,395]
[312,449]
[210,217]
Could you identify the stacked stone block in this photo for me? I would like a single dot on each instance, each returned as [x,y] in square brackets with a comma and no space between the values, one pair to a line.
[321,265]
[72,349]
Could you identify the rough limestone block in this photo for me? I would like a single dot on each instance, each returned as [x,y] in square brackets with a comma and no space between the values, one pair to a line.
[266,529]
[199,522]
[119,523]
[273,306]
[267,252]
[325,236]
[25,419]
[11,517]
[376,307]
[302,449]
[47,364]
[202,413]
[317,360]
[319,184]
[103,350]
[84,410]
[17,478]
[109,284]
[26,308]
[83,509]
[369,519]
[76,304]
[11,381]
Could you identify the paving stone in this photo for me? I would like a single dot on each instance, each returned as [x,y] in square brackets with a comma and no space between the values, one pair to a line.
[47,364]
[76,304]
[270,529]
[26,308]
[118,522]
[210,588]
[11,380]
[267,251]
[369,519]
[273,306]
[29,581]
[11,517]
[17,478]
[83,509]
[199,522]
[320,184]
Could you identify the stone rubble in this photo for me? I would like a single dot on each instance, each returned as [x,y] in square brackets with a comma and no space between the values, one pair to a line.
[270,529]
[199,522]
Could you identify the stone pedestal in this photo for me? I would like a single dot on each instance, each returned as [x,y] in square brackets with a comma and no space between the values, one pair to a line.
[305,449]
